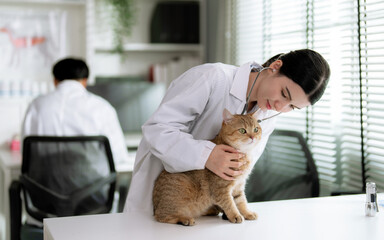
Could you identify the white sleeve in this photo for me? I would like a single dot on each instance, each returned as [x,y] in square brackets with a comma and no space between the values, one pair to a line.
[168,129]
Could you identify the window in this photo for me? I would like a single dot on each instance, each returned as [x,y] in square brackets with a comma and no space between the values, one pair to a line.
[344,128]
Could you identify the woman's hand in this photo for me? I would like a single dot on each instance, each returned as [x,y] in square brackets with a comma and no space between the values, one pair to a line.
[223,162]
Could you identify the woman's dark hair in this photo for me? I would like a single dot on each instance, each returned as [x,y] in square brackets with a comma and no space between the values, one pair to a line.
[70,68]
[307,68]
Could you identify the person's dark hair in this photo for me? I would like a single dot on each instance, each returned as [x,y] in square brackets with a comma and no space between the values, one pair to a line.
[70,68]
[307,68]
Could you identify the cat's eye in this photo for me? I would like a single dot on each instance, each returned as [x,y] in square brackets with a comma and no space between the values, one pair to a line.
[242,130]
[256,129]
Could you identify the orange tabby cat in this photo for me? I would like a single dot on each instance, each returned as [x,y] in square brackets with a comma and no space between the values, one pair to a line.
[182,197]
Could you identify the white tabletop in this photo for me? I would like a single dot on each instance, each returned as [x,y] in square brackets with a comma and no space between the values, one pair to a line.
[340,218]
[132,139]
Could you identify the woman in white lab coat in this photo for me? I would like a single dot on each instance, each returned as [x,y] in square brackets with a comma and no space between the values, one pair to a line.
[176,137]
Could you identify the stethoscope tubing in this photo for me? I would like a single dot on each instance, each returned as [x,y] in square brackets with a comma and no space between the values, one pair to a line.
[249,94]
[250,91]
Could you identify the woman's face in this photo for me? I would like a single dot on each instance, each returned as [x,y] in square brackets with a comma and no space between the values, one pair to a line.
[278,92]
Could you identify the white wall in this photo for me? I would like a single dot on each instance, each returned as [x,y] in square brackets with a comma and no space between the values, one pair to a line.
[66,37]
[18,86]
[12,113]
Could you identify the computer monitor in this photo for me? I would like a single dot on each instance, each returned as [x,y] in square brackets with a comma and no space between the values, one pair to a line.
[134,101]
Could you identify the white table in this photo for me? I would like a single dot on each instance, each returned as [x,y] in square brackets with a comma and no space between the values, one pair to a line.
[132,139]
[324,218]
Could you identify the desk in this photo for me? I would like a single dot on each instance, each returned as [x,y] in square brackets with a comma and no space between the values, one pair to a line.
[10,169]
[324,218]
[132,139]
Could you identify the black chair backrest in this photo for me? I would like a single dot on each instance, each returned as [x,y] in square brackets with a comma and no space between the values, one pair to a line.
[286,170]
[67,176]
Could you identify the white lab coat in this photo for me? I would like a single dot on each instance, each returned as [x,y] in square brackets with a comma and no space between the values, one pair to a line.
[176,137]
[71,110]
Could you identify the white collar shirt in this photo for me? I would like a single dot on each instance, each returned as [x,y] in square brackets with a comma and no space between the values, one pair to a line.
[70,110]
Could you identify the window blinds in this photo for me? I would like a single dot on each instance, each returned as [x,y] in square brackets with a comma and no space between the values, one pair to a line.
[350,141]
[371,21]
[343,128]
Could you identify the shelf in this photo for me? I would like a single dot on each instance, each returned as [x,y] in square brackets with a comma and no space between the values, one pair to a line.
[156,47]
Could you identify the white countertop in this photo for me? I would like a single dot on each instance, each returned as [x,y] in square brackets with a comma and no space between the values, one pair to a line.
[132,139]
[324,218]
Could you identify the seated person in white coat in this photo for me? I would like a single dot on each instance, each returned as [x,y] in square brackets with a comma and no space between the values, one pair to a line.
[176,137]
[70,110]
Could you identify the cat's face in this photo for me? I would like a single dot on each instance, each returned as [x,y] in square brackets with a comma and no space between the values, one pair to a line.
[242,132]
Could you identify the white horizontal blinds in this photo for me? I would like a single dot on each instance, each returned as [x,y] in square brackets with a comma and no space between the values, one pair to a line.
[284,29]
[350,141]
[288,161]
[248,29]
[372,73]
[287,152]
[259,29]
[284,26]
[354,47]
[327,23]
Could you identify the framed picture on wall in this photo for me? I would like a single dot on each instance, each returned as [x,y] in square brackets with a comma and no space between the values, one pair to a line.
[30,42]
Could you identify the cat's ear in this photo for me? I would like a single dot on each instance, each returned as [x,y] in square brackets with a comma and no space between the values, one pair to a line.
[227,116]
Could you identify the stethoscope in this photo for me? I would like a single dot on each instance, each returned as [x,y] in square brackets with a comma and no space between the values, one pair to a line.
[249,95]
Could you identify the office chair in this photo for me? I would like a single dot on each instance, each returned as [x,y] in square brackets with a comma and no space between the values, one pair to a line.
[286,170]
[61,176]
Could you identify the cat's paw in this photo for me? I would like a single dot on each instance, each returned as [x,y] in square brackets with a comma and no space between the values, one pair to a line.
[236,219]
[187,221]
[250,216]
